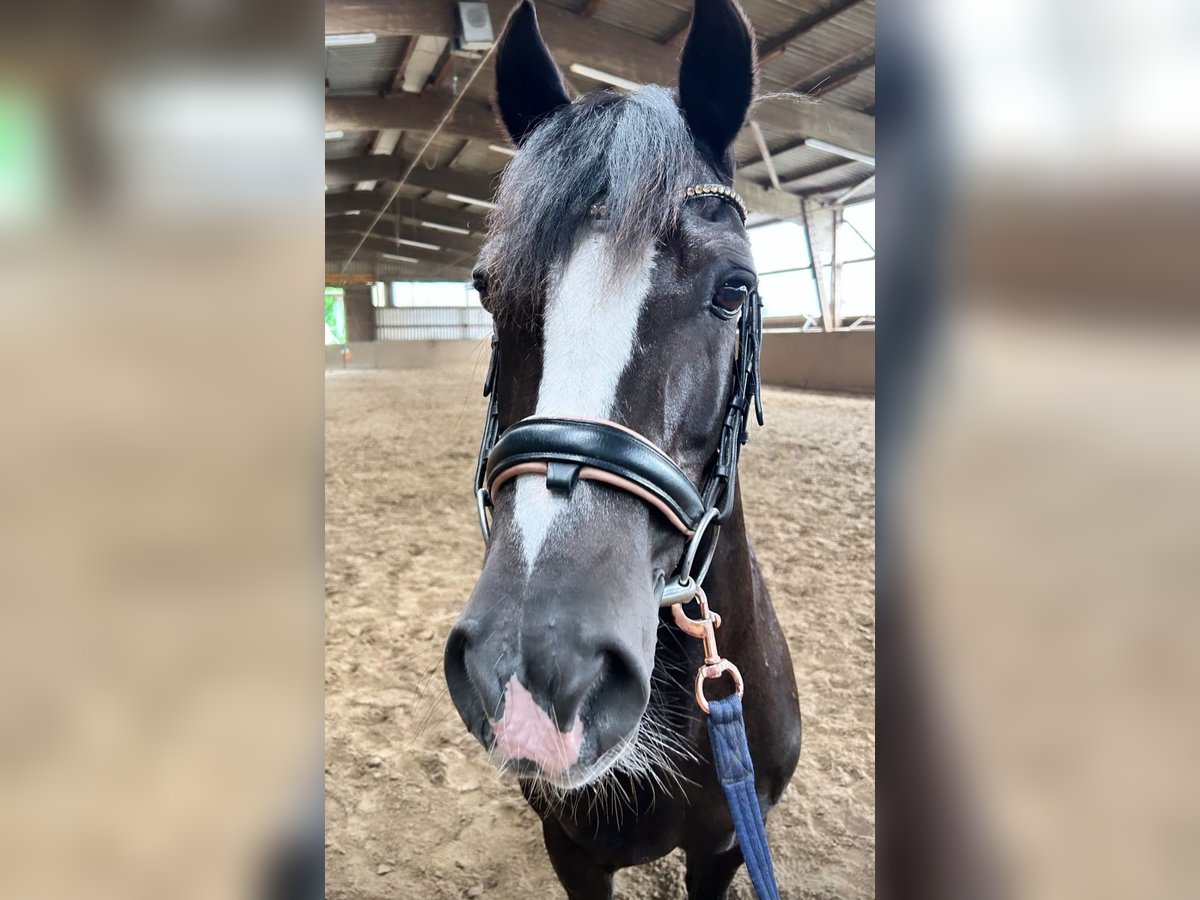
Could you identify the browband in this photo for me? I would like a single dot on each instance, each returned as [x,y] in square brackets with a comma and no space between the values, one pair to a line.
[720,191]
[567,450]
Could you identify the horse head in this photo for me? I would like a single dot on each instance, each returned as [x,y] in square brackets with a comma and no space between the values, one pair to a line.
[620,297]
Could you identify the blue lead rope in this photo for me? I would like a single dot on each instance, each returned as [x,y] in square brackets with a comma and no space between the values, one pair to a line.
[731,753]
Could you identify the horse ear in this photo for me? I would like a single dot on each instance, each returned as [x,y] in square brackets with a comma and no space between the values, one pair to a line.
[717,75]
[529,86]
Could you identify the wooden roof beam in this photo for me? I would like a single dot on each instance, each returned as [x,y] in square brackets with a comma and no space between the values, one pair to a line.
[347,224]
[594,43]
[410,112]
[382,244]
[370,202]
[373,265]
[390,168]
[397,84]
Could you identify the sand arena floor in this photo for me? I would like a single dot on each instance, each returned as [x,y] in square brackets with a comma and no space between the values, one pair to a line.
[412,807]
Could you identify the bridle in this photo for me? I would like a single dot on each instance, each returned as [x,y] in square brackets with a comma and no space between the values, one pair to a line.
[566,450]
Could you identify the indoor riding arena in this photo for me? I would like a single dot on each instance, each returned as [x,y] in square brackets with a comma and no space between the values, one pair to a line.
[414,807]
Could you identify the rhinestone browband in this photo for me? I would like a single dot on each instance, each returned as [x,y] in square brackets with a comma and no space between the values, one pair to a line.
[728,194]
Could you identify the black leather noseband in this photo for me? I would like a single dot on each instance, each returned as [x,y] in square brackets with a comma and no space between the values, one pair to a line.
[567,446]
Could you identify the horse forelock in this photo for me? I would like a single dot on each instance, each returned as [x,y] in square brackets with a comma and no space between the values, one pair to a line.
[631,153]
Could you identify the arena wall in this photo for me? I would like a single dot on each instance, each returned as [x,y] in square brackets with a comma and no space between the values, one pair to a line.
[406,354]
[820,361]
[841,361]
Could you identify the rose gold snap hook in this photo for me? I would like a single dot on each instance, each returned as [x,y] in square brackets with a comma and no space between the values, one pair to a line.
[704,628]
[714,671]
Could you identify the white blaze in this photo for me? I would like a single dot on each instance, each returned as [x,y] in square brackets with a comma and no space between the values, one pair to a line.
[589,329]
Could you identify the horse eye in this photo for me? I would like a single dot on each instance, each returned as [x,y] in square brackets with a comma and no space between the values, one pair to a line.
[480,283]
[729,299]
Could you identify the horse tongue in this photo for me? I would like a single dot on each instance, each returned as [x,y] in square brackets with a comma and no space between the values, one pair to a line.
[526,732]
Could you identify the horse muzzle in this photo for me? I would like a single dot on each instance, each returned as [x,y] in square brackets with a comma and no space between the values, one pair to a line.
[552,696]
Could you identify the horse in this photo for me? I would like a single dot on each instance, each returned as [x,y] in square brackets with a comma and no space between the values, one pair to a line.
[620,280]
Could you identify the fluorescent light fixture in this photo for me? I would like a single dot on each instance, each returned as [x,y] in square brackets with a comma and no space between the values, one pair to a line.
[407,259]
[453,229]
[421,244]
[500,148]
[471,200]
[386,141]
[334,135]
[818,144]
[597,75]
[350,40]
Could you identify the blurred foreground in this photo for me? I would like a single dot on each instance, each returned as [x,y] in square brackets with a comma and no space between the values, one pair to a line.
[1039,396]
[160,388]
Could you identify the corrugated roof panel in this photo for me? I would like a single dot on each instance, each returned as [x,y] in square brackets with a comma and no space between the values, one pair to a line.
[846,175]
[857,94]
[364,69]
[831,41]
[647,19]
[355,143]
[787,162]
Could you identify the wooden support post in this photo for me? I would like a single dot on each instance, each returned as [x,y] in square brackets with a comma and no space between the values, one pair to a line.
[819,230]
[835,272]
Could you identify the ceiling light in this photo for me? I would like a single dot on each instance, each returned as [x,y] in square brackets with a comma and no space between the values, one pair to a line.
[471,201]
[350,40]
[386,141]
[818,144]
[453,229]
[407,259]
[500,148]
[334,135]
[597,75]
[421,244]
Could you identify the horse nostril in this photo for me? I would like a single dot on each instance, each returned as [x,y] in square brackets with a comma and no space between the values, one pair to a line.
[464,692]
[617,699]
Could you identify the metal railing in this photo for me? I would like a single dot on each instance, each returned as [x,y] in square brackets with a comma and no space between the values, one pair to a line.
[432,323]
